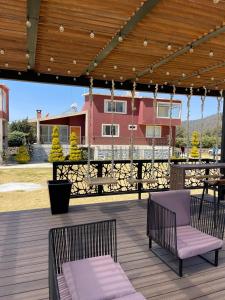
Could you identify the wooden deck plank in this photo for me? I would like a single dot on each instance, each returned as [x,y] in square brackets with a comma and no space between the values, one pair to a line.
[24,255]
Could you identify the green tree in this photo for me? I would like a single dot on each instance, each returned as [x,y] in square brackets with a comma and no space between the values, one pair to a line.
[22,155]
[16,139]
[56,152]
[75,152]
[27,128]
[195,144]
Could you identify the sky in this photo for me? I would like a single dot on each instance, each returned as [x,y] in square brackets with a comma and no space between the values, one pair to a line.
[25,98]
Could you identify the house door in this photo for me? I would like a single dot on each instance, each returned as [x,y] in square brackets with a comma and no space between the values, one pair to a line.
[77,131]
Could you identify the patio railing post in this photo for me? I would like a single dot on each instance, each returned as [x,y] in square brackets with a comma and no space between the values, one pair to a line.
[139,176]
[99,168]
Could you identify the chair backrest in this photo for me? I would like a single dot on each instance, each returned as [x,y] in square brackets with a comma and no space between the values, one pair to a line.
[177,201]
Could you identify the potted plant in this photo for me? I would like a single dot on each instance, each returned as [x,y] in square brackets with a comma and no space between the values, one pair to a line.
[59,194]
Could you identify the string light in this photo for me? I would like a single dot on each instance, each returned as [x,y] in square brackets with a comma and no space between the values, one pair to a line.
[145,43]
[68,72]
[212,78]
[27,55]
[51,59]
[120,38]
[216,1]
[92,35]
[151,70]
[61,28]
[38,74]
[28,67]
[49,69]
[179,83]
[28,24]
[95,64]
[74,62]
[74,79]
[191,50]
[87,73]
[57,77]
[150,81]
[169,47]
[2,51]
[211,53]
[115,67]
[183,74]
[167,73]
[133,69]
[121,77]
[19,73]
[6,65]
[198,76]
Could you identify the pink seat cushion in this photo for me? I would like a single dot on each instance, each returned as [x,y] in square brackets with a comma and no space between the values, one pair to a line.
[135,296]
[96,278]
[177,201]
[192,242]
[63,288]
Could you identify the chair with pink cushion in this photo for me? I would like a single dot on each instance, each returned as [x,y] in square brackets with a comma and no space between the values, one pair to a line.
[83,264]
[173,223]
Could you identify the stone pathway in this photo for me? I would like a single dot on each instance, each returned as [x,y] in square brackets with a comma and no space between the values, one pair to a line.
[19,186]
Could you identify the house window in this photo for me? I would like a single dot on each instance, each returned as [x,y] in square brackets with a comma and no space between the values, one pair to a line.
[46,133]
[109,130]
[150,131]
[132,127]
[119,107]
[163,110]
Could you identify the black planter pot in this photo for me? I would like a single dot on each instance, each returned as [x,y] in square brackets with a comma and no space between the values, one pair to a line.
[59,194]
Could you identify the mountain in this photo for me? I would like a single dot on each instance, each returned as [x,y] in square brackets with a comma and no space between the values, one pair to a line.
[209,124]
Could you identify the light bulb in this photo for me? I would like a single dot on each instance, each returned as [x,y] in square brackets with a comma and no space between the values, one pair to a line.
[6,65]
[74,62]
[133,69]
[216,1]
[2,51]
[57,77]
[115,67]
[61,28]
[151,70]
[183,74]
[92,35]
[95,64]
[120,38]
[121,77]
[28,67]
[211,53]
[150,81]
[49,69]
[87,73]
[68,72]
[28,24]
[145,43]
[167,73]
[51,59]
[198,76]
[169,47]
[74,79]
[27,55]
[19,73]
[165,82]
[191,50]
[104,76]
[212,78]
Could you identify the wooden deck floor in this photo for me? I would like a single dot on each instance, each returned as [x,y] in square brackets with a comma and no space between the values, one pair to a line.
[24,255]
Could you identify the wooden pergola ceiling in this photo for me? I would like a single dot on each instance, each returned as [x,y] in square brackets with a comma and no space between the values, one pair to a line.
[168,42]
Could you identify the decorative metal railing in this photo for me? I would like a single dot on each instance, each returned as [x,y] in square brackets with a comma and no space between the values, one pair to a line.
[77,171]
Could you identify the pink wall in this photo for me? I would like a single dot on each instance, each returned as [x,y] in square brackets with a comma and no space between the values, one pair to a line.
[4,115]
[142,116]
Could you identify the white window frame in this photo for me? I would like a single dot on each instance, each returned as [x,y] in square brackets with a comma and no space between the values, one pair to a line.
[152,137]
[130,127]
[106,101]
[168,104]
[104,135]
[52,125]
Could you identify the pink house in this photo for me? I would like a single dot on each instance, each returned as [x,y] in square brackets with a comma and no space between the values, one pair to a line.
[4,117]
[95,122]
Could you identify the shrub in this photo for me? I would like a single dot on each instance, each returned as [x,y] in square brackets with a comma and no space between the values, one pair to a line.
[195,144]
[75,153]
[16,139]
[56,152]
[22,156]
[27,128]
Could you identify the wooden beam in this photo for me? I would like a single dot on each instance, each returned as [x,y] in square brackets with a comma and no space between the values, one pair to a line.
[84,81]
[127,28]
[182,51]
[223,134]
[33,11]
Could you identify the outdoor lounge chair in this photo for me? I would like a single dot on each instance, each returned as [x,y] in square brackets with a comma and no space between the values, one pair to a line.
[82,264]
[173,223]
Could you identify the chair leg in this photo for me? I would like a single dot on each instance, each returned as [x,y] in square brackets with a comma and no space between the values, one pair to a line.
[180,267]
[216,258]
[150,243]
[201,202]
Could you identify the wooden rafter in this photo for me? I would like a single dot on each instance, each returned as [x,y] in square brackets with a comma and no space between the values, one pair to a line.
[123,32]
[33,10]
